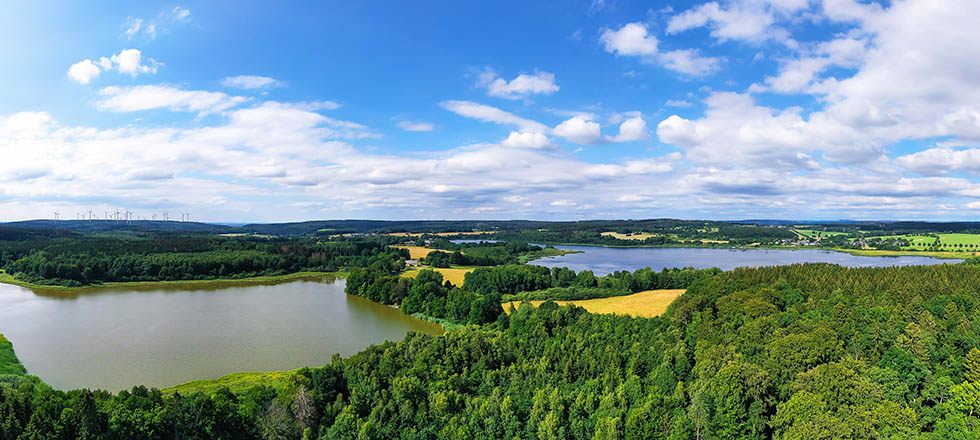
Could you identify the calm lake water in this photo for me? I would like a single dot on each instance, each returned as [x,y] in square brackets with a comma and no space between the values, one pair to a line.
[603,260]
[116,338]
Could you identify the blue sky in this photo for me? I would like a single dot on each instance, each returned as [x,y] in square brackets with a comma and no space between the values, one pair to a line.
[249,111]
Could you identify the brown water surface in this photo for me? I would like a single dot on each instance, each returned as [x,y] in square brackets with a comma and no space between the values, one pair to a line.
[161,336]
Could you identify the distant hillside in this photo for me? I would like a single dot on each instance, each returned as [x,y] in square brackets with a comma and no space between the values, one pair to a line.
[89,226]
[313,227]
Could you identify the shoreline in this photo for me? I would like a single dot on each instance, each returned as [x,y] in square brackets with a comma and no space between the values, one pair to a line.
[943,255]
[6,278]
[856,252]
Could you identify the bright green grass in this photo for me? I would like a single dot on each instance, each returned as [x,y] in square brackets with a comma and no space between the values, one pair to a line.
[270,279]
[236,382]
[964,239]
[9,364]
[947,242]
[813,233]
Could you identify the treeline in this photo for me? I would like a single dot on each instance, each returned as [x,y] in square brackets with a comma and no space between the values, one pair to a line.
[798,352]
[482,253]
[89,260]
[426,294]
[664,233]
[564,283]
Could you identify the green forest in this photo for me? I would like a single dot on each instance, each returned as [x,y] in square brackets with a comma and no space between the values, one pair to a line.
[794,352]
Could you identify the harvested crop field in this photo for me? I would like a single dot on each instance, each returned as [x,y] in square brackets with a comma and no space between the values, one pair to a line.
[632,236]
[646,304]
[454,275]
[416,252]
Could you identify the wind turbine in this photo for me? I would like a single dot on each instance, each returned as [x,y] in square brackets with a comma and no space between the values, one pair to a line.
[57,215]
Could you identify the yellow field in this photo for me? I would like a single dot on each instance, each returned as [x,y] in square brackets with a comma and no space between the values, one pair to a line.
[646,304]
[631,236]
[416,252]
[454,275]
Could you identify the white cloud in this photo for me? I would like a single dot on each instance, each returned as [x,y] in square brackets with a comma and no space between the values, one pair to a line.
[579,129]
[633,129]
[522,86]
[798,75]
[677,103]
[630,40]
[130,61]
[250,82]
[850,10]
[939,161]
[127,61]
[487,113]
[416,126]
[83,72]
[690,62]
[633,39]
[526,140]
[150,27]
[140,98]
[133,27]
[735,130]
[745,20]
[180,14]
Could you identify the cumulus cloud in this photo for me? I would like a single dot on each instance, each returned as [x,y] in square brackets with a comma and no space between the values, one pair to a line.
[250,82]
[524,139]
[736,130]
[939,161]
[522,86]
[630,40]
[632,129]
[84,71]
[127,61]
[580,129]
[633,39]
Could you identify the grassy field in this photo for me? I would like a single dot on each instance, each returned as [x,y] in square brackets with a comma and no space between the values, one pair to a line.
[813,233]
[646,304]
[271,279]
[9,364]
[416,252]
[454,275]
[236,382]
[966,243]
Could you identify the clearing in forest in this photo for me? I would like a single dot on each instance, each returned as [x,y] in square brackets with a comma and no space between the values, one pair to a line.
[631,236]
[645,304]
[416,252]
[454,275]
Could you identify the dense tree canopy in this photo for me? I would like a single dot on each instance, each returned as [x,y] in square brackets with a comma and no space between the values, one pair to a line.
[83,260]
[795,352]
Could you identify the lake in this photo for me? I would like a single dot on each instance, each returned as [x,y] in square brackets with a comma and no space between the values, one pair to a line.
[119,337]
[603,260]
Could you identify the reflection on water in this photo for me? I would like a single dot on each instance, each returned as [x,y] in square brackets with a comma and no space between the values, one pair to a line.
[117,337]
[603,260]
